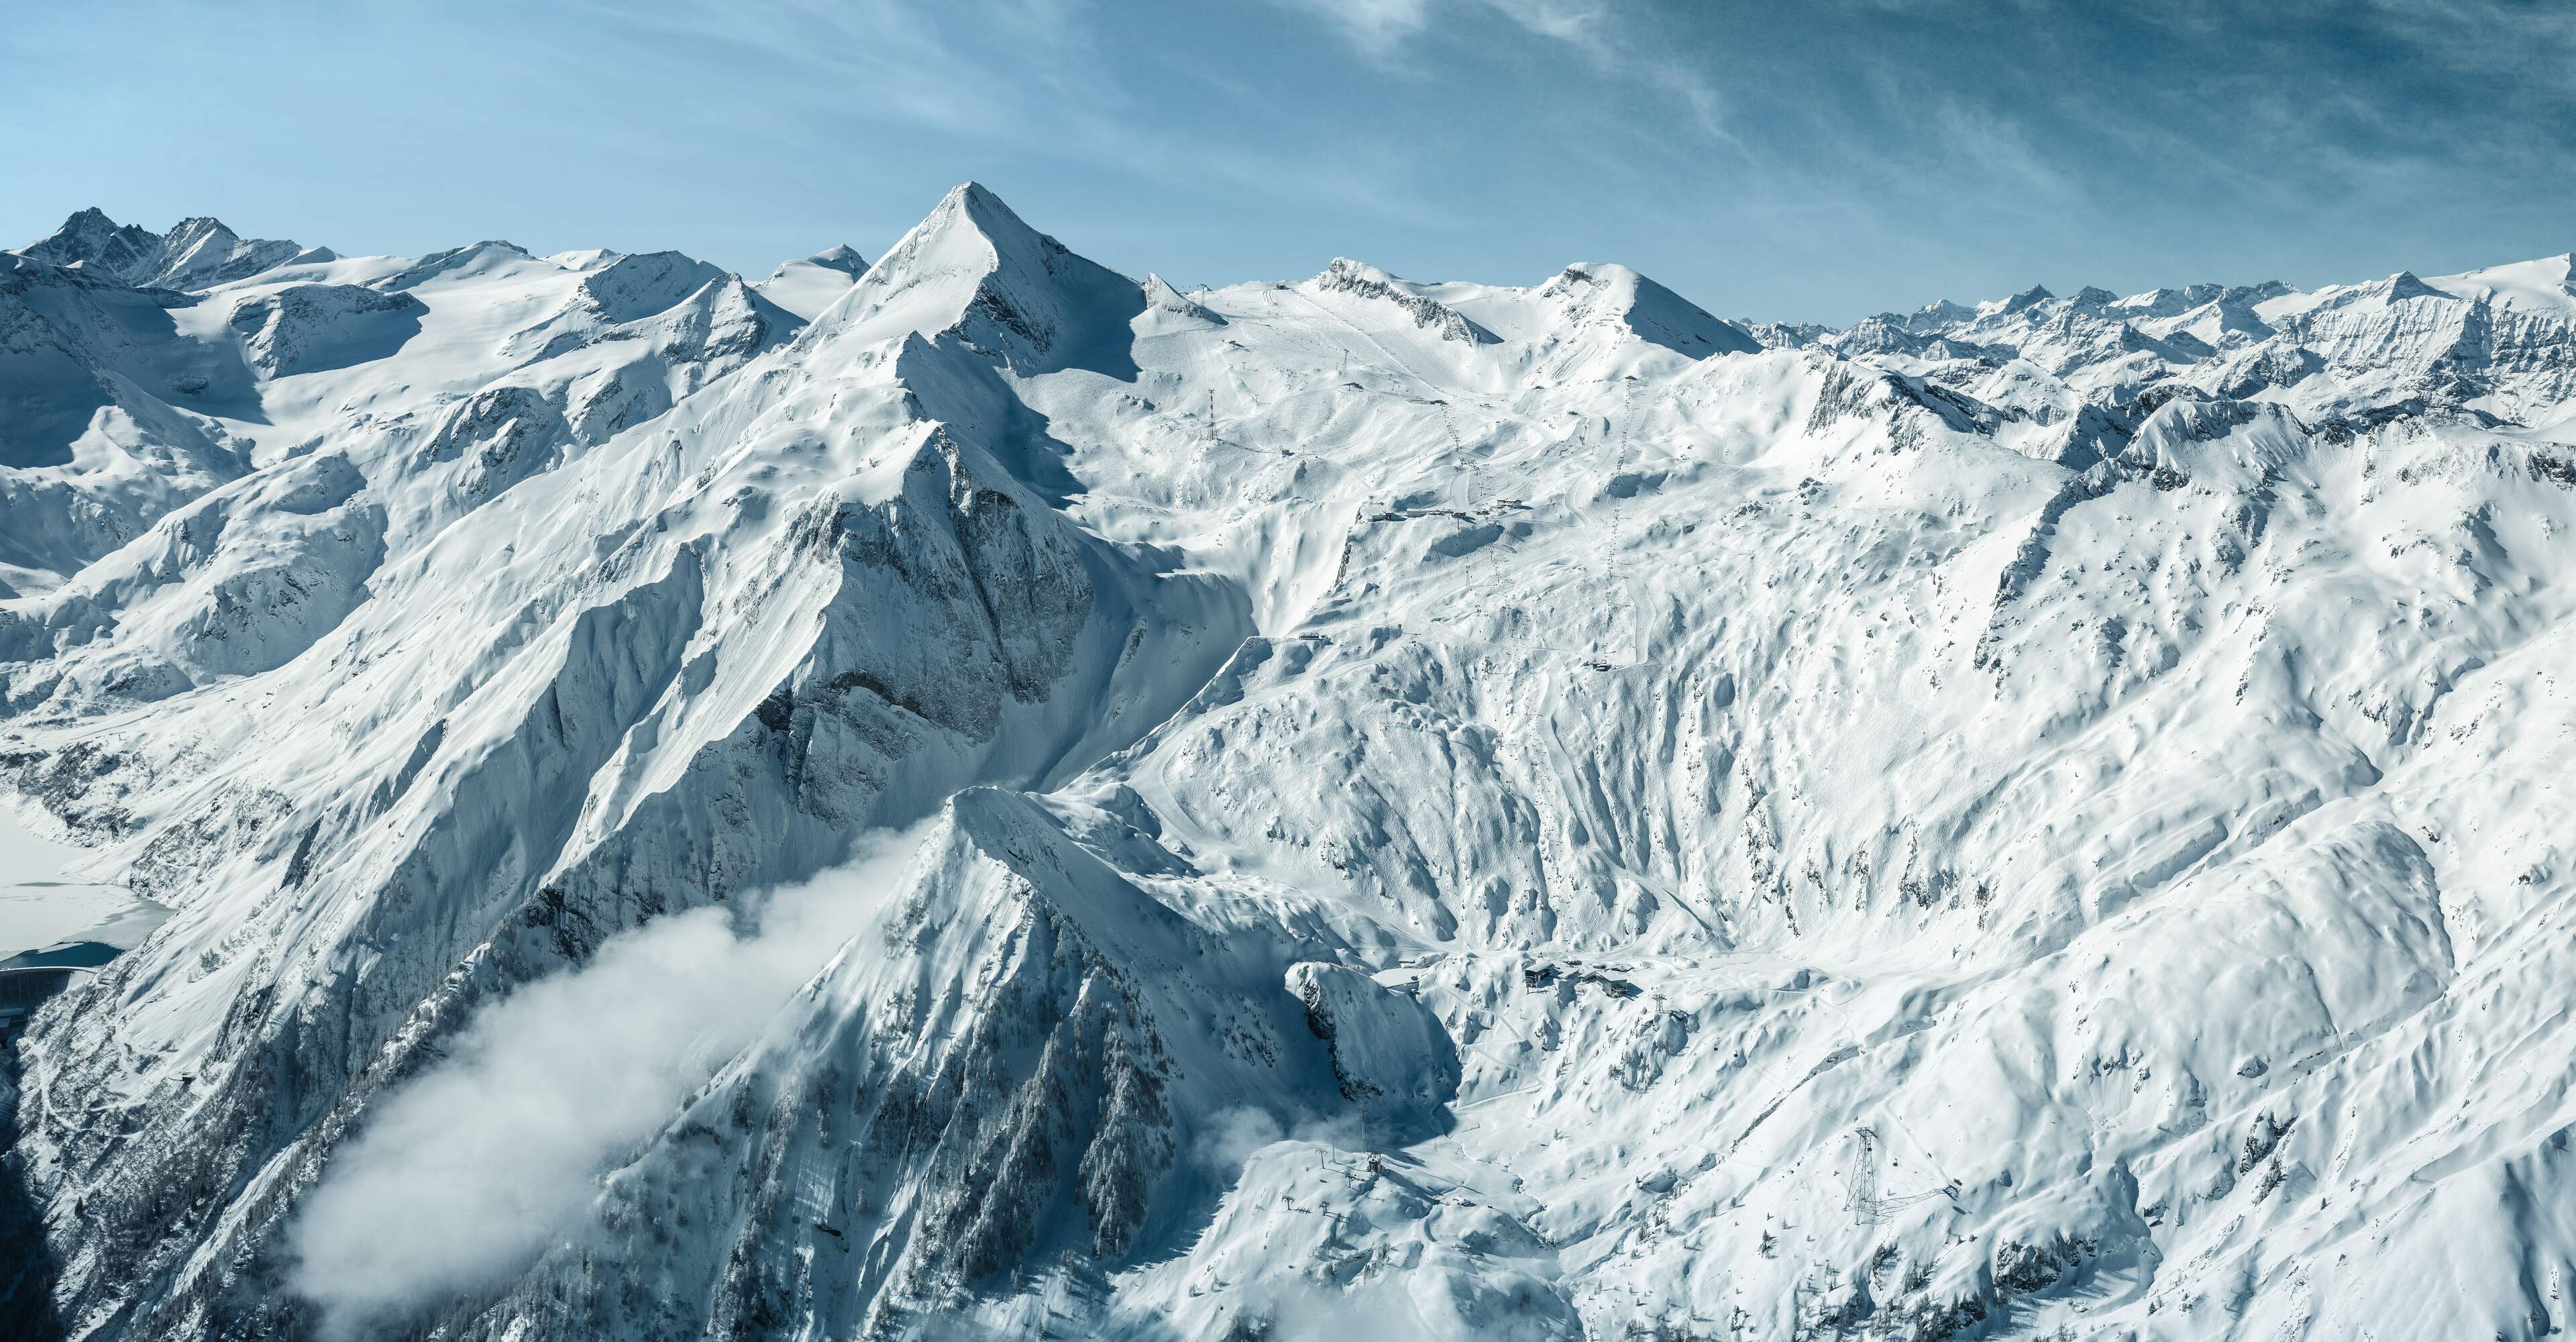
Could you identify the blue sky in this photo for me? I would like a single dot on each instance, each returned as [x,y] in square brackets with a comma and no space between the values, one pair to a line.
[1801,161]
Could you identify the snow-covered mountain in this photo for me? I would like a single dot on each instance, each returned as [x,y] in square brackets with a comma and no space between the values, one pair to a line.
[1433,810]
[195,254]
[807,287]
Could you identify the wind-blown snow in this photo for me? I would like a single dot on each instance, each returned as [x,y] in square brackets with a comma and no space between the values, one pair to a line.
[1453,809]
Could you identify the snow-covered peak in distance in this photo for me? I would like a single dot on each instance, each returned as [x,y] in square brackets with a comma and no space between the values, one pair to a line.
[586,258]
[1494,810]
[1940,312]
[126,400]
[195,254]
[89,239]
[1171,305]
[2541,287]
[808,286]
[639,285]
[2547,285]
[2020,302]
[1650,311]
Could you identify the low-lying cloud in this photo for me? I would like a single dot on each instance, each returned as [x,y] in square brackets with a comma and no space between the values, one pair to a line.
[1229,1137]
[469,1170]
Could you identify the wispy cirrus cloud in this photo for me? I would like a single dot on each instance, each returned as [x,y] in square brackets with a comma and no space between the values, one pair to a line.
[1616,41]
[1374,26]
[1003,75]
[1813,160]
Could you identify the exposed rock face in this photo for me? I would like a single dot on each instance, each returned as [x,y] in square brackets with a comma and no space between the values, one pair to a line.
[1482,811]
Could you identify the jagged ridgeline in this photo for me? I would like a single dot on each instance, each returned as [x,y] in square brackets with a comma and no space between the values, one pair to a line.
[1448,811]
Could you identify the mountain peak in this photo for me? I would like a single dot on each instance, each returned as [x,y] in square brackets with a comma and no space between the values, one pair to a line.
[971,207]
[637,286]
[90,220]
[197,253]
[2407,284]
[98,245]
[490,251]
[2021,302]
[840,256]
[975,195]
[975,269]
[2543,284]
[1360,279]
[806,287]
[1650,311]
[195,227]
[1162,297]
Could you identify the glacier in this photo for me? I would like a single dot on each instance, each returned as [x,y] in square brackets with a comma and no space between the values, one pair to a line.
[1441,810]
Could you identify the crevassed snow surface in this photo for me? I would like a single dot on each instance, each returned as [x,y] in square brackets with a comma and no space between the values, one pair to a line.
[1452,810]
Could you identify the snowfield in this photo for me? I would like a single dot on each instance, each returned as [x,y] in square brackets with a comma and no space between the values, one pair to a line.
[1430,810]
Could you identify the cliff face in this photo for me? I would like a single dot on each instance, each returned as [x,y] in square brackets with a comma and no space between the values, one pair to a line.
[1465,811]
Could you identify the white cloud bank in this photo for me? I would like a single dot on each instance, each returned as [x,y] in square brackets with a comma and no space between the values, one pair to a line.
[465,1172]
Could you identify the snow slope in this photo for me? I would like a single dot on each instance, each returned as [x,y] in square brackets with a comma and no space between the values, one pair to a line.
[1453,810]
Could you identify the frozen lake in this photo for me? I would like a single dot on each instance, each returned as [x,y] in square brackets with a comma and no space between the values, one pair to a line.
[45,903]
